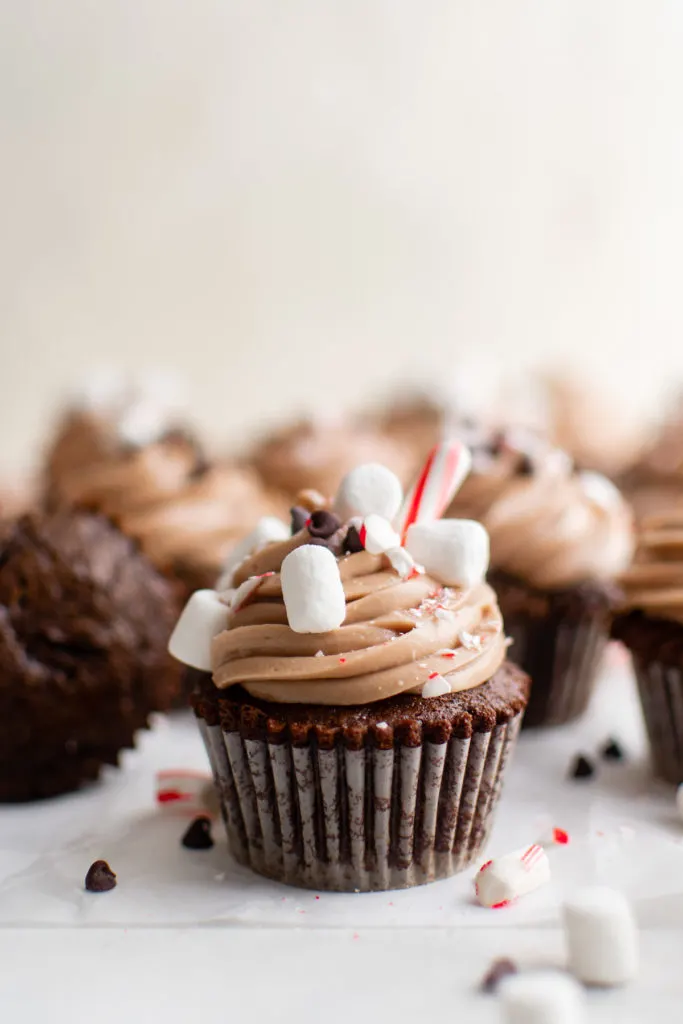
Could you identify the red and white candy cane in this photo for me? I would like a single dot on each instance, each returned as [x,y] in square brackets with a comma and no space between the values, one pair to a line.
[185,791]
[442,474]
[501,881]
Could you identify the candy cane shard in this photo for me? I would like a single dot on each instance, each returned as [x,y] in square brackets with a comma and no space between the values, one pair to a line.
[501,881]
[446,467]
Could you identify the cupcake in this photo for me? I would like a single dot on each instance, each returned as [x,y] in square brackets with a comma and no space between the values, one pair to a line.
[655,481]
[316,454]
[358,710]
[84,622]
[650,624]
[129,460]
[558,540]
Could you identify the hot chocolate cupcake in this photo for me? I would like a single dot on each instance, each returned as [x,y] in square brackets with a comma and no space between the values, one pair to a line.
[358,710]
[558,540]
[651,626]
[84,621]
[130,461]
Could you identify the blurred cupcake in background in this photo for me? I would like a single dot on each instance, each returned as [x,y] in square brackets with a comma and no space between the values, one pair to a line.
[654,483]
[124,452]
[316,453]
[84,623]
[651,626]
[559,537]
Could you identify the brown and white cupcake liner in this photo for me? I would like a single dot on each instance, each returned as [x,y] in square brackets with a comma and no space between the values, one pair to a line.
[373,809]
[661,694]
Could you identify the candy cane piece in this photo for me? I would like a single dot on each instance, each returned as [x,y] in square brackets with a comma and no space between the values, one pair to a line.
[442,474]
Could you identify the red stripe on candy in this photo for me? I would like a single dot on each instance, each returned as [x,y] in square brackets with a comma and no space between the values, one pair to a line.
[414,509]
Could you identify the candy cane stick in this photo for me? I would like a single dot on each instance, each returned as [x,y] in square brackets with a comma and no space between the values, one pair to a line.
[442,474]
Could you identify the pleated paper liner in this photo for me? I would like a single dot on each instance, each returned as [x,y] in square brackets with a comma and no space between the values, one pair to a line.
[392,795]
[559,639]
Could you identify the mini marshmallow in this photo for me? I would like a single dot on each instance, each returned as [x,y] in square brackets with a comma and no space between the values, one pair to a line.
[203,617]
[267,530]
[602,938]
[142,422]
[368,489]
[600,490]
[377,535]
[436,686]
[453,551]
[541,997]
[403,562]
[501,881]
[312,590]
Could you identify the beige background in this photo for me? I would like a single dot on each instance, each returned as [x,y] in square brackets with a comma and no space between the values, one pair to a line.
[296,202]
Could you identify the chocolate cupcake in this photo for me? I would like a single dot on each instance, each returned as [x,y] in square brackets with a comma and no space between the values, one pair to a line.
[651,626]
[559,537]
[84,620]
[316,454]
[359,712]
[129,460]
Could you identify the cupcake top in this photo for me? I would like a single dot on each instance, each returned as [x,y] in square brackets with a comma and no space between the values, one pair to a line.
[550,525]
[342,612]
[318,453]
[654,582]
[131,462]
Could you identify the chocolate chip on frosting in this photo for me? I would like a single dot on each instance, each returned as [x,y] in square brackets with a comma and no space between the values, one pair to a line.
[323,523]
[352,542]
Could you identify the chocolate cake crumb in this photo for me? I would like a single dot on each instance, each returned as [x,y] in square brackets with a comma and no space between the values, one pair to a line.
[612,751]
[499,969]
[198,834]
[582,768]
[100,877]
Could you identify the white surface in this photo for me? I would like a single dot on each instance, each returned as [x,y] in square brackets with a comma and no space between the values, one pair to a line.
[184,931]
[294,202]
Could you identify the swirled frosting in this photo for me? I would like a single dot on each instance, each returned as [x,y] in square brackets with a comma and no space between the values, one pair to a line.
[654,582]
[397,634]
[185,514]
[317,454]
[549,525]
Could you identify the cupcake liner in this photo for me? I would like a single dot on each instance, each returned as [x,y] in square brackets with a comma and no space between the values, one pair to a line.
[357,815]
[661,693]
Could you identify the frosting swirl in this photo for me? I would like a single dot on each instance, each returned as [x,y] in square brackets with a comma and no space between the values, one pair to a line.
[397,634]
[549,525]
[654,583]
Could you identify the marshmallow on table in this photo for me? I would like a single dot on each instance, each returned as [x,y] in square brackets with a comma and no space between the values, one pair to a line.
[367,489]
[442,474]
[203,617]
[541,997]
[312,590]
[268,529]
[501,881]
[602,938]
[453,551]
[377,535]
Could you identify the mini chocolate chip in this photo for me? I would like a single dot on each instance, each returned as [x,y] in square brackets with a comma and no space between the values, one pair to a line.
[498,970]
[299,516]
[497,442]
[582,768]
[323,523]
[198,834]
[525,466]
[352,542]
[612,751]
[100,877]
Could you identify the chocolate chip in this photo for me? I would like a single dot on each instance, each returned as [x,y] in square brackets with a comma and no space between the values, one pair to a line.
[352,542]
[299,516]
[100,877]
[323,523]
[612,751]
[525,466]
[498,970]
[198,835]
[582,768]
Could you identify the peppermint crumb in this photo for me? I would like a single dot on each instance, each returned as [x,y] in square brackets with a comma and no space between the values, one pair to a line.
[469,640]
[342,661]
[319,654]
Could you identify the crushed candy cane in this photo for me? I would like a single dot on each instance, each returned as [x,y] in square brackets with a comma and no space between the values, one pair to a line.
[470,640]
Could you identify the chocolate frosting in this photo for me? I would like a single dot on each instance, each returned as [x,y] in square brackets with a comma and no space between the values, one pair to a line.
[654,583]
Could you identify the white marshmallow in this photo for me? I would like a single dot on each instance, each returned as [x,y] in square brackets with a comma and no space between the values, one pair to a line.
[267,530]
[203,617]
[402,562]
[377,535]
[602,938]
[436,686]
[600,490]
[453,551]
[142,422]
[503,880]
[312,590]
[367,489]
[542,997]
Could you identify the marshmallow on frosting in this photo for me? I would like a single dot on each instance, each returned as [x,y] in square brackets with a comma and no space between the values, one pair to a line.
[312,590]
